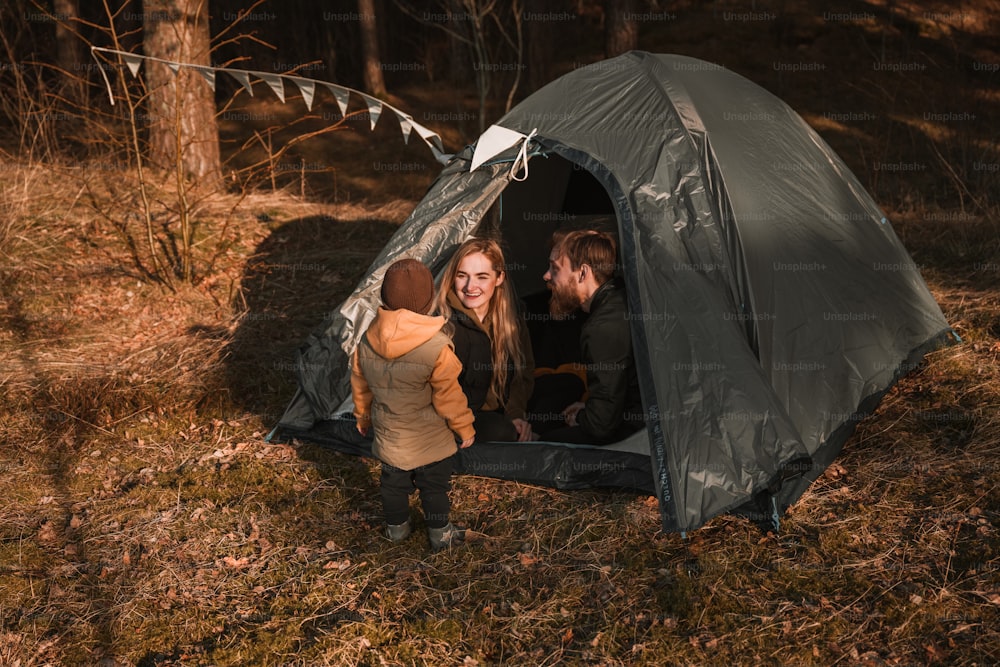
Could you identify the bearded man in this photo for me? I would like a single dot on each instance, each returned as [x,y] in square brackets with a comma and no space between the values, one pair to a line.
[581,275]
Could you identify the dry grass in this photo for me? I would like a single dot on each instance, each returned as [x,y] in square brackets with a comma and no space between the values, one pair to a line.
[146,521]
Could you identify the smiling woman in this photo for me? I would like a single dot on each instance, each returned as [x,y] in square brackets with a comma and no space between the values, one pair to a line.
[490,340]
[475,283]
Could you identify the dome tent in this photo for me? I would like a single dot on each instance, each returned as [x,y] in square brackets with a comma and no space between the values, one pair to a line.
[771,303]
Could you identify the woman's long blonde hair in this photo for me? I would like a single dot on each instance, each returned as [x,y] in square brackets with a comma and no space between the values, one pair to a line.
[505,339]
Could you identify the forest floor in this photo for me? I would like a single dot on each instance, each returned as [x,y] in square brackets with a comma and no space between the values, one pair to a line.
[147,521]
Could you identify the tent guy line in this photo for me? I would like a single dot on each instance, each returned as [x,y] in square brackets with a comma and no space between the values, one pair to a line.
[306,86]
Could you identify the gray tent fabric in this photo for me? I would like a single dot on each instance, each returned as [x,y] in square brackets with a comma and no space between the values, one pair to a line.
[771,302]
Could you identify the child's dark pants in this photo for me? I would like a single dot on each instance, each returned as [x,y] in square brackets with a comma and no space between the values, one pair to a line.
[433,481]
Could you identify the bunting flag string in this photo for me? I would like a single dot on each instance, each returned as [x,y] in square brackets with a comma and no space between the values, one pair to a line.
[276,82]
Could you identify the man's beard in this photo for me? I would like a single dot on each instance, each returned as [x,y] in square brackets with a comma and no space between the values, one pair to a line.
[563,302]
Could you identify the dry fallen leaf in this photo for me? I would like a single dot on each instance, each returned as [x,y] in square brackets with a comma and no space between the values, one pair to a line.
[47,532]
[337,565]
[834,471]
[527,559]
[236,563]
[934,652]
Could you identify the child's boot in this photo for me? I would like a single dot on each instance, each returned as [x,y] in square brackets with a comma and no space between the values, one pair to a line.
[398,532]
[445,537]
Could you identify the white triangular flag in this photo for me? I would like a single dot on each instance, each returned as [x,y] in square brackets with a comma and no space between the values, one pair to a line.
[242,77]
[308,89]
[430,137]
[174,67]
[208,74]
[342,95]
[374,109]
[494,141]
[133,61]
[405,125]
[274,81]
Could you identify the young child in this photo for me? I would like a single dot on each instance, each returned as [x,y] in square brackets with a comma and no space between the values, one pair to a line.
[404,382]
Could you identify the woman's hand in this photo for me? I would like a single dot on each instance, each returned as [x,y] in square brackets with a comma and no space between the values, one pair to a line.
[467,442]
[570,413]
[524,433]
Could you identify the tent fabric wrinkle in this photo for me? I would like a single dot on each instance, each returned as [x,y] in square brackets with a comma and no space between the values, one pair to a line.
[771,305]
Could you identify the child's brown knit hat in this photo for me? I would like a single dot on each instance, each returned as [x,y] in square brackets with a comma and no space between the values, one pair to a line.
[408,284]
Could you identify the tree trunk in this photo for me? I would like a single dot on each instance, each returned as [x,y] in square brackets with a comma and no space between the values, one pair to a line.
[540,47]
[70,52]
[69,47]
[328,49]
[374,83]
[620,31]
[183,133]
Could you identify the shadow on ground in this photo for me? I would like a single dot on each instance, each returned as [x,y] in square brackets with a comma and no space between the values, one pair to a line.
[295,278]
